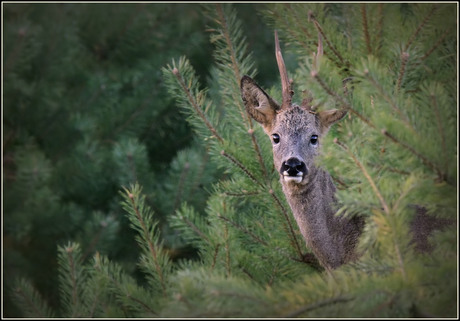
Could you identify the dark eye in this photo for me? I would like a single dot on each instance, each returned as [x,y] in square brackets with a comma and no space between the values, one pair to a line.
[314,139]
[276,138]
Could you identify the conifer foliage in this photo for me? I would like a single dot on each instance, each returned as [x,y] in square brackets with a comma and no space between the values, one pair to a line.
[393,66]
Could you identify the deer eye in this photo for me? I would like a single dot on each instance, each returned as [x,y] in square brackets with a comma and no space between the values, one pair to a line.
[276,138]
[314,139]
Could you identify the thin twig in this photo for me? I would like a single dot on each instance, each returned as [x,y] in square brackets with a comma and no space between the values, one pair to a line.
[317,305]
[379,28]
[366,28]
[419,28]
[241,166]
[195,229]
[436,45]
[402,70]
[426,161]
[243,229]
[152,249]
[320,30]
[340,99]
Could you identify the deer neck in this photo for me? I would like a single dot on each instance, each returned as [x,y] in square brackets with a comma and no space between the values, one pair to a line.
[331,238]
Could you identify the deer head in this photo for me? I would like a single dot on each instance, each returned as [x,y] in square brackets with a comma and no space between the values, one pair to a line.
[296,131]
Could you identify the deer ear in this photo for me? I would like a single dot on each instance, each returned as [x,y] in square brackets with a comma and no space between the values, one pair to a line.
[258,103]
[329,117]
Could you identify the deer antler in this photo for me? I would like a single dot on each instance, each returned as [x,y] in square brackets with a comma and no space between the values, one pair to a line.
[285,83]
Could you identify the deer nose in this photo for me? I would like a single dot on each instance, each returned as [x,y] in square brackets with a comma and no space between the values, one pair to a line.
[293,166]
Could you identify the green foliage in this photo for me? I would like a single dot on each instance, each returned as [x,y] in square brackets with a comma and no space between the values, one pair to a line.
[85,113]
[392,67]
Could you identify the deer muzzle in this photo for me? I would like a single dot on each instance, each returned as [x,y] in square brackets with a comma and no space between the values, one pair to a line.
[293,170]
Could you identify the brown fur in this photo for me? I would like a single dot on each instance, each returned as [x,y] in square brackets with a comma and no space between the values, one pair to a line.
[331,238]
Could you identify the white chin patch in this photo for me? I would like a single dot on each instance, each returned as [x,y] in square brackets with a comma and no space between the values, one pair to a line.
[295,179]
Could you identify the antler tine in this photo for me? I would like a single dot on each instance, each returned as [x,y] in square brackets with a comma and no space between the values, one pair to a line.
[285,83]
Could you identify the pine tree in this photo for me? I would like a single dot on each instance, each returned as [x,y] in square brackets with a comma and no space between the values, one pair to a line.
[85,114]
[392,67]
[394,154]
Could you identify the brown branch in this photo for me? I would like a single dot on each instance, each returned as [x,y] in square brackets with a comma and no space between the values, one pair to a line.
[320,30]
[317,305]
[195,229]
[419,28]
[214,257]
[426,161]
[366,28]
[152,249]
[436,45]
[241,166]
[379,28]
[243,229]
[226,32]
[402,70]
[340,99]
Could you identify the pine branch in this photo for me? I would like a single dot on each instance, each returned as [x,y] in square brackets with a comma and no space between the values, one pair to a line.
[141,219]
[242,167]
[420,27]
[340,99]
[312,18]
[29,301]
[366,28]
[243,229]
[402,70]
[126,290]
[71,278]
[390,101]
[287,224]
[228,30]
[436,45]
[287,27]
[317,305]
[195,106]
[214,257]
[379,28]
[384,205]
[194,228]
[425,160]
[227,251]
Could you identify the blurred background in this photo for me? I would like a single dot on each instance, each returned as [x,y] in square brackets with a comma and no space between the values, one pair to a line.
[85,112]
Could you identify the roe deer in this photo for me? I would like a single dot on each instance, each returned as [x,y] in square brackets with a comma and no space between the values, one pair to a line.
[296,133]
